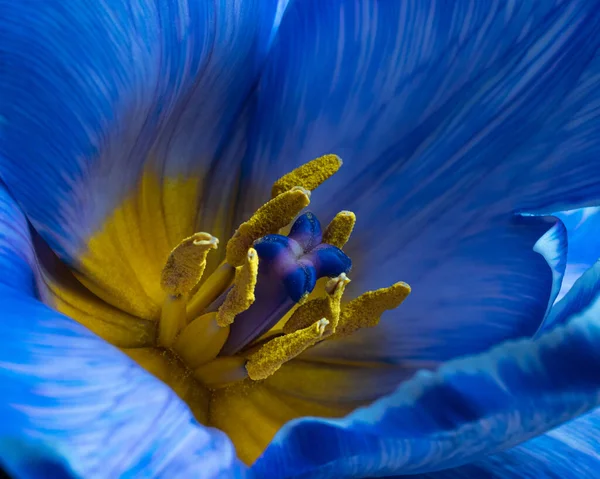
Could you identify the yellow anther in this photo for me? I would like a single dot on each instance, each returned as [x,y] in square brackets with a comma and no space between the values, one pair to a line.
[339,230]
[241,295]
[309,175]
[278,351]
[186,263]
[201,340]
[172,320]
[268,219]
[365,311]
[326,307]
[221,372]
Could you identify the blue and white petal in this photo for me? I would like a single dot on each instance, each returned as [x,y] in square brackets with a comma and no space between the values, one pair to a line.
[450,117]
[75,406]
[583,226]
[569,452]
[581,300]
[554,247]
[464,411]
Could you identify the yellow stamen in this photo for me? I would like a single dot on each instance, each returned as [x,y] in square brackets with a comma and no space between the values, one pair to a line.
[172,320]
[221,372]
[365,311]
[201,340]
[339,230]
[326,307]
[268,219]
[309,176]
[186,263]
[210,290]
[241,295]
[278,351]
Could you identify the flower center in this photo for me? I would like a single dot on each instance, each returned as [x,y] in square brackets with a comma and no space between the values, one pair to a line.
[260,307]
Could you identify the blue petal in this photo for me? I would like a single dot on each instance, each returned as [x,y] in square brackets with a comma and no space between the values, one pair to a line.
[71,403]
[467,409]
[490,288]
[460,91]
[99,94]
[450,116]
[583,226]
[569,452]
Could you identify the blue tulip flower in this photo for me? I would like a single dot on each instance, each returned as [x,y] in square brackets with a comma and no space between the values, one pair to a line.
[169,308]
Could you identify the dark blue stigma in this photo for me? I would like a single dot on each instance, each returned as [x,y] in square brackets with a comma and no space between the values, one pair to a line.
[288,269]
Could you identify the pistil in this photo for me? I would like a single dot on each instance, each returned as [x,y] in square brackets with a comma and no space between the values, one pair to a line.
[288,270]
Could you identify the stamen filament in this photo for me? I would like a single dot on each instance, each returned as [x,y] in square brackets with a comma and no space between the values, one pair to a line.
[335,290]
[241,296]
[172,320]
[278,351]
[309,175]
[201,340]
[221,372]
[186,263]
[339,230]
[210,290]
[268,219]
[366,310]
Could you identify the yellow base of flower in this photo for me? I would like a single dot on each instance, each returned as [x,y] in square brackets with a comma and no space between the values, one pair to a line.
[141,287]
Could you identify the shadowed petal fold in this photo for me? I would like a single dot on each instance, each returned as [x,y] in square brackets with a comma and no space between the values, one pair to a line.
[467,409]
[73,404]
